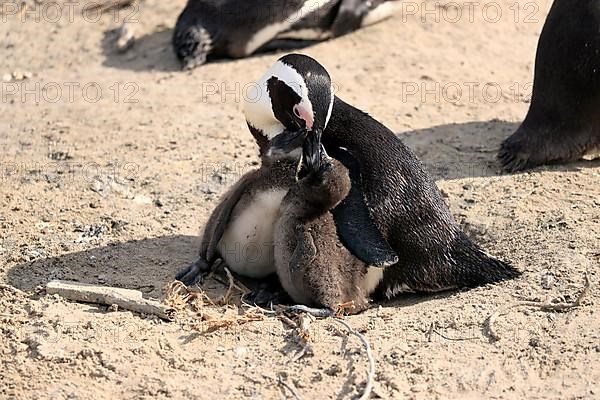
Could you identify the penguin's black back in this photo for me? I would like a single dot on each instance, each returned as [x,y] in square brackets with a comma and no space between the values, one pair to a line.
[409,210]
[231,23]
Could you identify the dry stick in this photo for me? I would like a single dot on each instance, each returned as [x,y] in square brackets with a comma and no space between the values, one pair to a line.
[288,321]
[227,295]
[315,312]
[126,36]
[303,336]
[280,382]
[124,298]
[233,285]
[544,306]
[371,374]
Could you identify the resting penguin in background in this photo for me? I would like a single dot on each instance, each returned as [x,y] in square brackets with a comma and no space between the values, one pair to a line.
[312,264]
[238,28]
[394,216]
[563,122]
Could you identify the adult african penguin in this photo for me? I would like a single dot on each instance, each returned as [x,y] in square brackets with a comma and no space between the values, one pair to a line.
[396,195]
[563,121]
[238,28]
[240,229]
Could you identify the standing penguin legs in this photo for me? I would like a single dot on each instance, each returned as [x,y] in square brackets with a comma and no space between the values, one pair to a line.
[531,146]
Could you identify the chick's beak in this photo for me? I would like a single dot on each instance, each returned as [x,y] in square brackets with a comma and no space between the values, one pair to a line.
[311,150]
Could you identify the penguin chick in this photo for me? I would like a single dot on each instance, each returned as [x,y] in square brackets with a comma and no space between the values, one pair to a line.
[313,266]
[240,229]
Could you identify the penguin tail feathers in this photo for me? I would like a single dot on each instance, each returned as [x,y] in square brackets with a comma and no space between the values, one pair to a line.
[474,267]
[461,265]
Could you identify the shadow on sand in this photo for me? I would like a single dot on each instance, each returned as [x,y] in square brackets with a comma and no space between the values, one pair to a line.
[151,52]
[468,150]
[146,265]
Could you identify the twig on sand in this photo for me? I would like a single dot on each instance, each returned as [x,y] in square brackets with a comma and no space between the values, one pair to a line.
[315,312]
[544,306]
[233,284]
[303,337]
[289,387]
[126,36]
[280,382]
[127,299]
[371,374]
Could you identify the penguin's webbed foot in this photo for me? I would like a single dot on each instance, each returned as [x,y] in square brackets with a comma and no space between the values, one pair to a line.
[192,45]
[263,297]
[528,148]
[194,273]
[517,154]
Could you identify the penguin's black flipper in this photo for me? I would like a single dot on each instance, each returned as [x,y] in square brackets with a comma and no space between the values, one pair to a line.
[220,217]
[354,223]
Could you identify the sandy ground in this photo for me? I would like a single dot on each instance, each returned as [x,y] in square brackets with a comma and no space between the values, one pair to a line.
[110,184]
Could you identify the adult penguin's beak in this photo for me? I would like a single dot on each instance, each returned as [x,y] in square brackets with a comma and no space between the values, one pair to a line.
[311,150]
[287,141]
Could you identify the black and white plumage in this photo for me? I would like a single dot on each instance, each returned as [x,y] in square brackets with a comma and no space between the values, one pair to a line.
[238,28]
[281,217]
[412,224]
[563,121]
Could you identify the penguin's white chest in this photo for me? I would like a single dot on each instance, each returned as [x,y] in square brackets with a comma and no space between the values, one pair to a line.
[247,243]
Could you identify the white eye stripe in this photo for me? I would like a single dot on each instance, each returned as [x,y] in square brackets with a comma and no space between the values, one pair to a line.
[259,111]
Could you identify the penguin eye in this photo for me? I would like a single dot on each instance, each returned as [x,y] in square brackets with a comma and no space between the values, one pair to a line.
[296,112]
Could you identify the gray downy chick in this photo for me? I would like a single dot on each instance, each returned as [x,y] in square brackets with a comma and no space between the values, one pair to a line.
[313,266]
